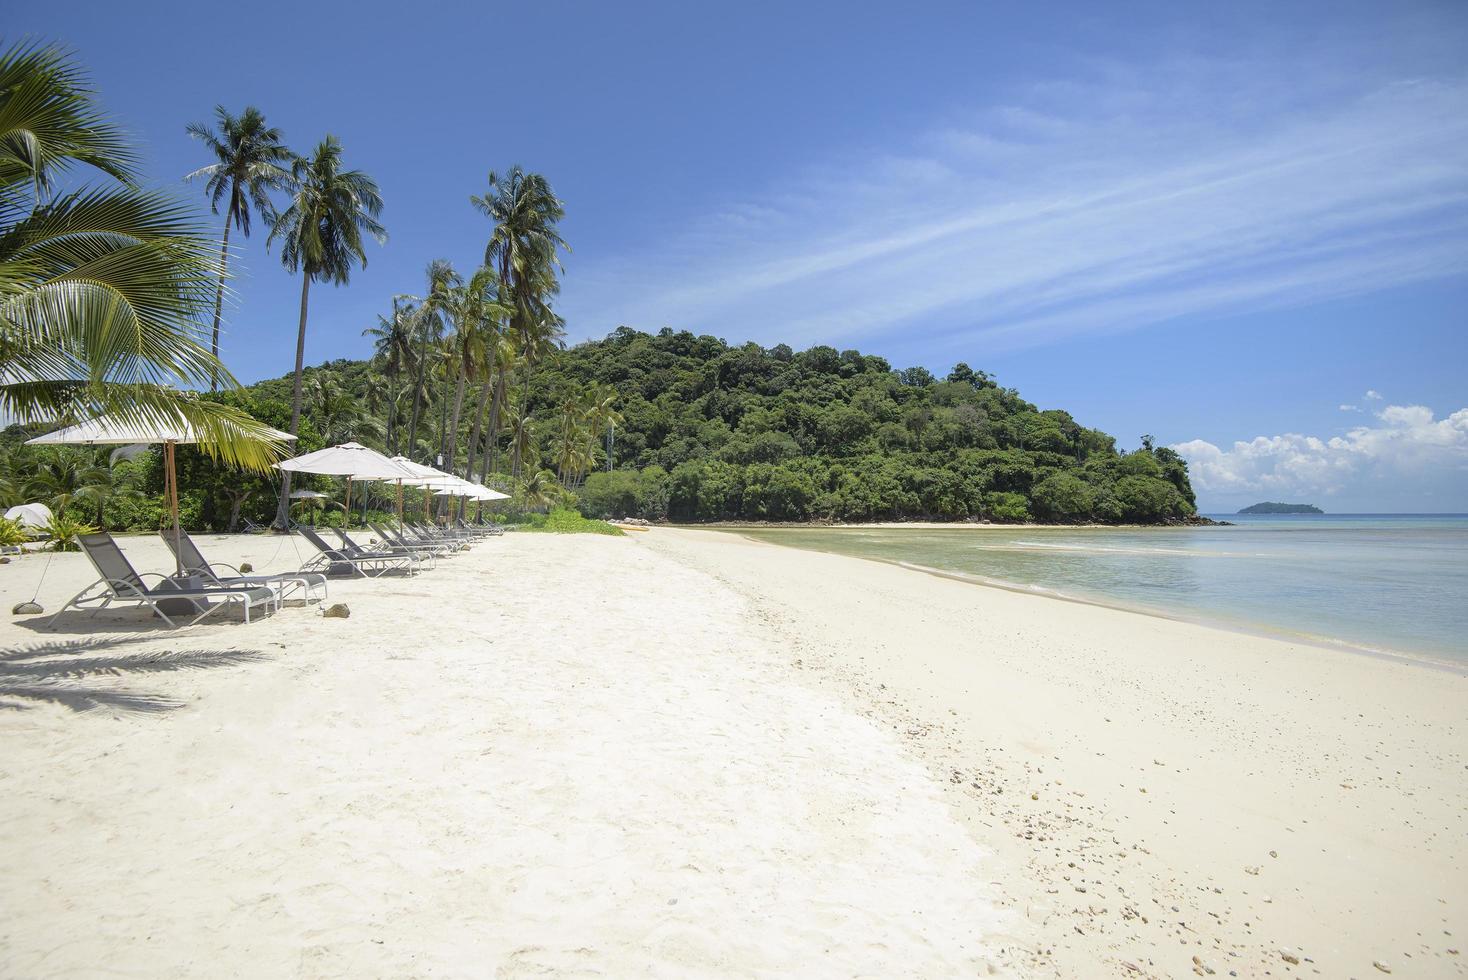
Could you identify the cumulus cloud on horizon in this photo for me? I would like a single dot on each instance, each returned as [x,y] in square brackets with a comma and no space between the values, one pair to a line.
[1405,442]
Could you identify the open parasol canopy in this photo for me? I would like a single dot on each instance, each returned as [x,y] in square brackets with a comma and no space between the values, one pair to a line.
[351,460]
[105,430]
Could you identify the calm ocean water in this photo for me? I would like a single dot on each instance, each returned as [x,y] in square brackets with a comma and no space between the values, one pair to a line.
[1382,582]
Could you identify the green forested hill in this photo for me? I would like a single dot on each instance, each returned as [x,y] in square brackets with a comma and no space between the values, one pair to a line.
[714,432]
[705,431]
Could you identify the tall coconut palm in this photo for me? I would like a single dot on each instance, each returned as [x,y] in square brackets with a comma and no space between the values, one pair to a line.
[102,288]
[602,414]
[321,235]
[441,280]
[250,161]
[392,343]
[524,247]
[476,313]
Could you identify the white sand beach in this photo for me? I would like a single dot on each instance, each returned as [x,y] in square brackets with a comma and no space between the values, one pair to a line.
[685,753]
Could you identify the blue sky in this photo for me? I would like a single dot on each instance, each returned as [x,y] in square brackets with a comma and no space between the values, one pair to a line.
[1220,224]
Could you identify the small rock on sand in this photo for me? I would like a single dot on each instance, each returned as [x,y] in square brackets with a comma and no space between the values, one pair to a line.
[337,610]
[27,608]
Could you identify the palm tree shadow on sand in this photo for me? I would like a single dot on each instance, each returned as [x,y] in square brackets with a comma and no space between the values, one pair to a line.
[60,671]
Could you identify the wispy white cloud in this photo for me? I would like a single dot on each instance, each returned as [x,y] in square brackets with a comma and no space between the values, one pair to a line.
[1404,442]
[1078,208]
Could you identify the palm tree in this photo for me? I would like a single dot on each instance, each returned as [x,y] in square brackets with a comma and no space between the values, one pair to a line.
[375,393]
[476,313]
[522,439]
[523,247]
[393,344]
[250,161]
[321,237]
[106,484]
[601,413]
[441,279]
[63,477]
[102,288]
[540,490]
[502,362]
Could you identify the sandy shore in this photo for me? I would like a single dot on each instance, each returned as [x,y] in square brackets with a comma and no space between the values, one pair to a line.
[550,756]
[1156,790]
[686,753]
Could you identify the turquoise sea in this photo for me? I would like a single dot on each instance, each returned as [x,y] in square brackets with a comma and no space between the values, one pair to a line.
[1389,583]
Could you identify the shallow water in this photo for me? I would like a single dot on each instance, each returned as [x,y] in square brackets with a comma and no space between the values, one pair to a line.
[1384,582]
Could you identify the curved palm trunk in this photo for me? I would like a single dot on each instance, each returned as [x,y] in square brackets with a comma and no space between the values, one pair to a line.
[473,448]
[418,389]
[491,435]
[219,303]
[524,407]
[392,417]
[282,510]
[451,442]
[443,412]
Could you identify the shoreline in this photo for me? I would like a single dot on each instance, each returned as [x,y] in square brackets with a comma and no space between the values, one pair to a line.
[928,525]
[718,756]
[1165,798]
[1257,630]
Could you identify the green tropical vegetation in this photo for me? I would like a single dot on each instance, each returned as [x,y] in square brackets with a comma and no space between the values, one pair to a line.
[565,520]
[321,238]
[1271,507]
[103,286]
[103,293]
[250,160]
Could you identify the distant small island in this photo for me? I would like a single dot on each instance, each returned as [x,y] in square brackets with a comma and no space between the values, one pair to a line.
[1269,507]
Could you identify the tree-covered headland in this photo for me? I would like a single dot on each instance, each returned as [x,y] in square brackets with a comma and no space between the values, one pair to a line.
[705,431]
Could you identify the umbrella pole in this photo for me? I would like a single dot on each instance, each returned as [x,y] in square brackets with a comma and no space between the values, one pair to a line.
[400,506]
[347,512]
[172,490]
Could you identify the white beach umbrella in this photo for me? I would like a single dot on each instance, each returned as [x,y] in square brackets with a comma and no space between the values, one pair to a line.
[477,492]
[106,430]
[351,460]
[424,476]
[453,487]
[473,491]
[421,474]
[35,516]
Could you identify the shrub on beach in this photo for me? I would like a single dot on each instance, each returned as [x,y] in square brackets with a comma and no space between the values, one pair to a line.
[566,521]
[63,532]
[12,533]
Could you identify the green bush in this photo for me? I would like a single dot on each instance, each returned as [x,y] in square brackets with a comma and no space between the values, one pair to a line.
[1062,497]
[63,532]
[1005,506]
[565,521]
[12,533]
[1148,499]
